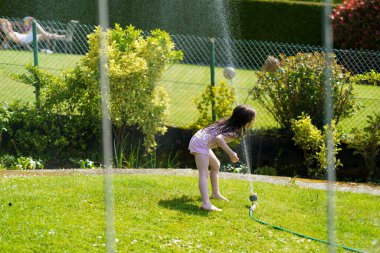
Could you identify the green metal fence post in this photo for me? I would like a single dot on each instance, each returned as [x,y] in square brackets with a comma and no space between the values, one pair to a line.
[212,70]
[35,43]
[35,56]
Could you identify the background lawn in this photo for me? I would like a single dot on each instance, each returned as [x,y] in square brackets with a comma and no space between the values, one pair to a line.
[13,61]
[160,213]
[183,82]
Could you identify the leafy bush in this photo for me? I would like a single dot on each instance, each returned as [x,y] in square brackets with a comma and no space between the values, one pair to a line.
[238,167]
[7,161]
[40,79]
[224,99]
[366,142]
[54,128]
[5,114]
[21,163]
[298,87]
[86,164]
[135,67]
[46,135]
[369,78]
[312,141]
[356,24]
[266,170]
[28,163]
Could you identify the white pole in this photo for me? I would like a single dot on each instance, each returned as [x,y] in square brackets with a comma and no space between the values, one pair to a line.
[331,178]
[106,126]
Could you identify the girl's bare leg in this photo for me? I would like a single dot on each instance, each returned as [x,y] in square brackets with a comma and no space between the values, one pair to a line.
[214,176]
[202,162]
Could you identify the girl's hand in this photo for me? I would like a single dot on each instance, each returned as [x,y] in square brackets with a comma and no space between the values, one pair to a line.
[221,142]
[234,158]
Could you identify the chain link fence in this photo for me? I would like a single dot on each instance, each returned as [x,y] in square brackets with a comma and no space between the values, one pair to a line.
[65,43]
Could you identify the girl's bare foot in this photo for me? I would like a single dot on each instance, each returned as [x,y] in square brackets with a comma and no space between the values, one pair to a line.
[219,196]
[210,207]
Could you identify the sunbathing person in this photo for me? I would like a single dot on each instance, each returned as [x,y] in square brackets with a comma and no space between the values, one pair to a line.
[25,38]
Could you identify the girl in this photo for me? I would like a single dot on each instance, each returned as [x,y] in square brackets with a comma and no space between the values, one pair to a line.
[218,134]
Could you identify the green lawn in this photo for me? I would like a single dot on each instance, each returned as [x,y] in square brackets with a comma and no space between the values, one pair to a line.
[160,213]
[15,62]
[183,82]
[186,82]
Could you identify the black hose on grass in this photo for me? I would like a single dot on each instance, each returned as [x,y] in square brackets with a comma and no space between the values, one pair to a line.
[302,235]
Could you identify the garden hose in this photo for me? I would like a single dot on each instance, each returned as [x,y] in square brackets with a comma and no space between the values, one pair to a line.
[302,235]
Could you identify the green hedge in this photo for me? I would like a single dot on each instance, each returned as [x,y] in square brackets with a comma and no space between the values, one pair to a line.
[85,11]
[279,21]
[290,22]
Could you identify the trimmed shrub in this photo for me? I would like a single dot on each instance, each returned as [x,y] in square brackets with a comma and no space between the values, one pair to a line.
[48,136]
[297,87]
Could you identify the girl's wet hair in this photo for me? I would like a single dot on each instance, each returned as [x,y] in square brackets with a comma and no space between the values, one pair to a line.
[241,115]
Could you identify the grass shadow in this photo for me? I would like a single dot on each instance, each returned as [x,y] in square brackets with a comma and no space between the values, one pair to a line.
[183,204]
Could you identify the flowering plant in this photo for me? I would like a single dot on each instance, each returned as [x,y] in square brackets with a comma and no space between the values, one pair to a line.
[356,24]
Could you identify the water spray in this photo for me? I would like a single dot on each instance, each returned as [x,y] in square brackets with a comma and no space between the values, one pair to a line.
[253,196]
[229,73]
[272,65]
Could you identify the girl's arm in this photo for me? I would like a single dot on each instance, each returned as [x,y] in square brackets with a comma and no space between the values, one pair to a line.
[222,143]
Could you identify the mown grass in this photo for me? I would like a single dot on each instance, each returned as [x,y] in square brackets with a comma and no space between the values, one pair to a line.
[13,61]
[160,213]
[183,83]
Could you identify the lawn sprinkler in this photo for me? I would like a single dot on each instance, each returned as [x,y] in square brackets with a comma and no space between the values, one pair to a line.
[229,73]
[253,198]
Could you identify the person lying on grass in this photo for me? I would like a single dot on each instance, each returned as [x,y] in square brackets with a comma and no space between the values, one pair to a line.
[216,135]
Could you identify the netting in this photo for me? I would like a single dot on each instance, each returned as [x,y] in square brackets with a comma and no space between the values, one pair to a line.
[185,80]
